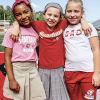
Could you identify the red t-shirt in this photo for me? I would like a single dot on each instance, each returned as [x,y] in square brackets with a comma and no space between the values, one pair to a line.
[51,49]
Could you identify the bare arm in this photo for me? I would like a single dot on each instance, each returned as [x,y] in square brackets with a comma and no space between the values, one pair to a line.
[96,54]
[13,85]
[15,31]
[8,63]
[85,27]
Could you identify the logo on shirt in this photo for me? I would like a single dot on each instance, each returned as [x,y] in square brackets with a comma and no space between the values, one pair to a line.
[72,33]
[54,34]
[27,43]
[56,38]
[89,95]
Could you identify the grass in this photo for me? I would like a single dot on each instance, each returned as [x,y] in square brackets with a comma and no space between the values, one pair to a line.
[2,36]
[1,39]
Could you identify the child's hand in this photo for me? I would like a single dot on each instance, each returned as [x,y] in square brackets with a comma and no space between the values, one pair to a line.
[15,32]
[14,86]
[87,29]
[96,79]
[14,35]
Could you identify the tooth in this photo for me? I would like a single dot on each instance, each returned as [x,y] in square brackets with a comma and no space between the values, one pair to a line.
[49,19]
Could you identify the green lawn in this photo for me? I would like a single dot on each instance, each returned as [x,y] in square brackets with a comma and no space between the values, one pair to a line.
[2,36]
[1,39]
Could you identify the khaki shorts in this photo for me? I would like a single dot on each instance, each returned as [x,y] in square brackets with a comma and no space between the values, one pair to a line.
[27,76]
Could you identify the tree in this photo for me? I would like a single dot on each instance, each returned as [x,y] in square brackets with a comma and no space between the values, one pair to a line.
[63,16]
[37,16]
[2,11]
[1,7]
[9,14]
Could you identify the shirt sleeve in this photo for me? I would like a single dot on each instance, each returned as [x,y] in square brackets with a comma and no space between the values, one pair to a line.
[7,41]
[64,24]
[36,25]
[94,32]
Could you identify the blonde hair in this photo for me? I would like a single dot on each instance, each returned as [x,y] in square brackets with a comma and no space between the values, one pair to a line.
[78,1]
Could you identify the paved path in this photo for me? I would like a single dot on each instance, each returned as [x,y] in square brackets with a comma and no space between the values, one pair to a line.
[98,94]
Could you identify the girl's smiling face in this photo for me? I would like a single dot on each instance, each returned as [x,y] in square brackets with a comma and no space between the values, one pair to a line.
[52,17]
[23,15]
[74,12]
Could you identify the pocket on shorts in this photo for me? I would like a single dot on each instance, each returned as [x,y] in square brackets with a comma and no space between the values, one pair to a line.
[68,75]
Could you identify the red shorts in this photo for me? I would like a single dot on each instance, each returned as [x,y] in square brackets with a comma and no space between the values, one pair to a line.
[79,85]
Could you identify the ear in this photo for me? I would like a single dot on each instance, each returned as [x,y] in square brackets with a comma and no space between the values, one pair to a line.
[32,11]
[60,19]
[82,13]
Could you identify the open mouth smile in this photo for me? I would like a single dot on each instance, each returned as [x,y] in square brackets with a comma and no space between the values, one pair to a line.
[51,22]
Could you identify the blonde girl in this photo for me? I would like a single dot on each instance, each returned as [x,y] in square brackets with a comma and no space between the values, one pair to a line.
[82,65]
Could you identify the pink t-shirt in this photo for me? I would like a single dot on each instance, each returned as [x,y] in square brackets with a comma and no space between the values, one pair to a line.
[25,48]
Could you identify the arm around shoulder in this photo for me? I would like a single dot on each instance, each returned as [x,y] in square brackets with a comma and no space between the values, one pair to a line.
[85,27]
[15,31]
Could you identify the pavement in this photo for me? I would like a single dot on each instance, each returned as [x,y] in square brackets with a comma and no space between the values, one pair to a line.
[98,94]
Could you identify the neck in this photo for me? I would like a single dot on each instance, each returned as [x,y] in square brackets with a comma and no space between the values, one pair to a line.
[26,26]
[50,28]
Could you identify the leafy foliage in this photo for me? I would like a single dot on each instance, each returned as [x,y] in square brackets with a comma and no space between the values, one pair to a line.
[38,16]
[9,15]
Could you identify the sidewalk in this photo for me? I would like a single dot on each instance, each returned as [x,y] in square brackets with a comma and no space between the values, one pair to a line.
[98,94]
